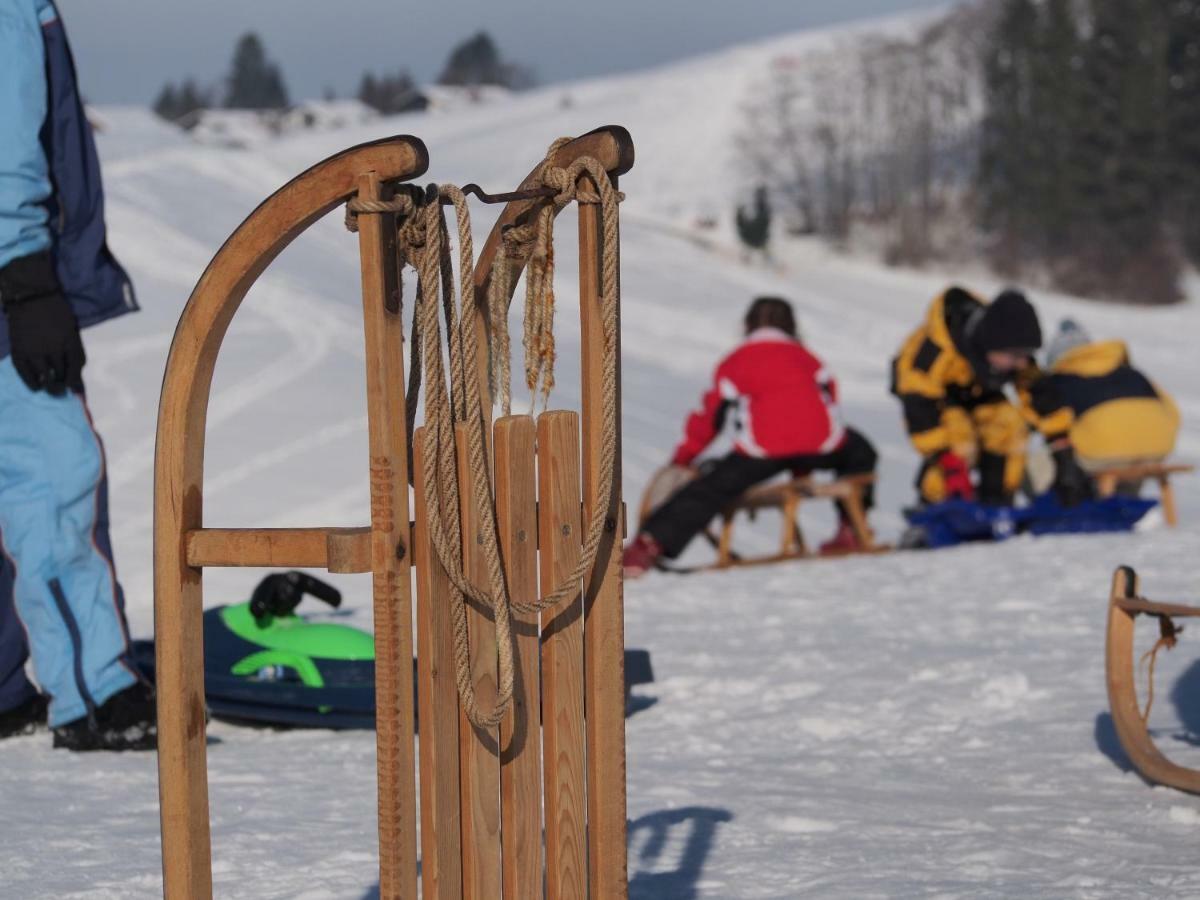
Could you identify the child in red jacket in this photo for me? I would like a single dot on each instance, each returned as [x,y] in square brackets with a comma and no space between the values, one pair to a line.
[784,404]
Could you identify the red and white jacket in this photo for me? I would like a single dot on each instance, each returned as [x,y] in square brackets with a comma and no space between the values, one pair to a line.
[783,400]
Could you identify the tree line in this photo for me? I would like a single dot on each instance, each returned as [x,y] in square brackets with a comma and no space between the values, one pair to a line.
[255,82]
[1057,138]
[1090,156]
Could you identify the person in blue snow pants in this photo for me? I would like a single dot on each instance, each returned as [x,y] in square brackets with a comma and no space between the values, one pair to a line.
[60,602]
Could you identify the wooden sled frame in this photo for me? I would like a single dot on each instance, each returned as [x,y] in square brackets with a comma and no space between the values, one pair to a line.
[1108,479]
[460,840]
[1120,664]
[786,497]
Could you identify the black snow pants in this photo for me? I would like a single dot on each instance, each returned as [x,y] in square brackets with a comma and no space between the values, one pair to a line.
[685,515]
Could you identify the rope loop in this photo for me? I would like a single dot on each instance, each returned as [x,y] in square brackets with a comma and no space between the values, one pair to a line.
[454,403]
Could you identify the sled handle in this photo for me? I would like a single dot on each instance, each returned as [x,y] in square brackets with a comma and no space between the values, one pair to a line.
[179,477]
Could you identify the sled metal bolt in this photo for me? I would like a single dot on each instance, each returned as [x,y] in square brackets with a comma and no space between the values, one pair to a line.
[521,535]
[400,550]
[566,530]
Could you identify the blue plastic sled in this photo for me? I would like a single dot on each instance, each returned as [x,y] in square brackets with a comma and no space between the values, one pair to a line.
[959,521]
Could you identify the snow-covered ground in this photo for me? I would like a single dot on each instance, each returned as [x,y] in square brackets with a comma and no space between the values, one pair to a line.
[912,725]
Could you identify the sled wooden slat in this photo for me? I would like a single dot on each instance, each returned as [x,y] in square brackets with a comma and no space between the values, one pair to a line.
[520,732]
[179,476]
[391,581]
[1120,677]
[437,701]
[604,619]
[479,760]
[562,657]
[340,550]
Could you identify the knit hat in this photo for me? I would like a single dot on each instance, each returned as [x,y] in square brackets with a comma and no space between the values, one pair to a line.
[1070,335]
[1008,323]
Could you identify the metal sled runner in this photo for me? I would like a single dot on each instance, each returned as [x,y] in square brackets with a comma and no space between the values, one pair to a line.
[496,506]
[1124,606]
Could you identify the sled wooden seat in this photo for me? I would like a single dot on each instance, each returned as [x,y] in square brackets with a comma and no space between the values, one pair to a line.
[1109,478]
[1120,664]
[787,498]
[507,809]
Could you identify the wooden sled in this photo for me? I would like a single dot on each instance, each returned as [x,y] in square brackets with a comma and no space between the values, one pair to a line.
[1110,478]
[786,497]
[1125,605]
[507,810]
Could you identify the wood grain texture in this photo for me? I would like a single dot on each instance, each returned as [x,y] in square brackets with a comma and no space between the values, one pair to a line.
[562,657]
[604,626]
[391,558]
[437,700]
[179,475]
[479,757]
[520,744]
[343,550]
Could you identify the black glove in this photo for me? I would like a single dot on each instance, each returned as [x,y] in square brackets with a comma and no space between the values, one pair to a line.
[47,351]
[1072,485]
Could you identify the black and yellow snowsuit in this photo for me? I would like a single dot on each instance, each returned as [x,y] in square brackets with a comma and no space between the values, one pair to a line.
[952,401]
[1120,415]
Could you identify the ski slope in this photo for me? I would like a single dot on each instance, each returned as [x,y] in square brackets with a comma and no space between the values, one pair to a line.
[915,725]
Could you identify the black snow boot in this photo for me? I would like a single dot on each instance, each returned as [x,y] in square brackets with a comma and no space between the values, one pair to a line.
[23,719]
[128,720]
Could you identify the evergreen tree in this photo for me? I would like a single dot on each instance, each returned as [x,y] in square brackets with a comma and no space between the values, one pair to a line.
[166,105]
[390,94]
[475,61]
[254,81]
[754,225]
[1005,182]
[1054,109]
[1120,155]
[1183,121]
[174,103]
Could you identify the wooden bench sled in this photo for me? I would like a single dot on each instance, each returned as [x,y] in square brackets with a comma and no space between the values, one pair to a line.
[1120,663]
[786,497]
[511,811]
[1108,479]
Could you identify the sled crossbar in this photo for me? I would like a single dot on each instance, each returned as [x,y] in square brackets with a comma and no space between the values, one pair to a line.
[1108,479]
[1120,665]
[343,551]
[517,811]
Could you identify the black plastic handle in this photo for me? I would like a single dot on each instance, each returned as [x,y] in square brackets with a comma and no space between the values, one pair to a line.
[280,594]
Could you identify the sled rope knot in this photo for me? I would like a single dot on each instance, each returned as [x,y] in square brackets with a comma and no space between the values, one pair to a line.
[401,205]
[1168,636]
[424,241]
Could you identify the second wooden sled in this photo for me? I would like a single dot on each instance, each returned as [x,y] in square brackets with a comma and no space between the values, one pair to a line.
[1120,663]
[785,497]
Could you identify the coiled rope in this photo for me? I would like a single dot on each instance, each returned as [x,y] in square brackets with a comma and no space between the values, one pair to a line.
[424,241]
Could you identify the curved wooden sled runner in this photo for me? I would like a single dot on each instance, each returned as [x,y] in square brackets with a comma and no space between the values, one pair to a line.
[471,779]
[1125,605]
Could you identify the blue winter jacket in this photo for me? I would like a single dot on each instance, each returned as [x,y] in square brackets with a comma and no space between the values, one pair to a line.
[50,193]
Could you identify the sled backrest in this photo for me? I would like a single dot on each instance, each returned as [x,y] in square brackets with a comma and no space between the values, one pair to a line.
[483,793]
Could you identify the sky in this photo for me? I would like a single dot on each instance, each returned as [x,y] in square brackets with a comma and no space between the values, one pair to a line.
[126,50]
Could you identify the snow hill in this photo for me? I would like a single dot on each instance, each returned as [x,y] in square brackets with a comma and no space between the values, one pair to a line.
[927,725]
